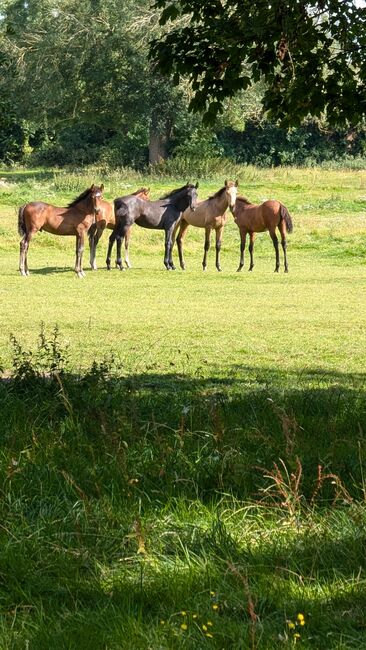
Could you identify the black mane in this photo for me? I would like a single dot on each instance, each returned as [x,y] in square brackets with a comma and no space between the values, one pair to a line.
[79,198]
[174,192]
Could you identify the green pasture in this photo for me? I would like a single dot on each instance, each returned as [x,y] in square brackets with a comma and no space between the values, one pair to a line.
[183,453]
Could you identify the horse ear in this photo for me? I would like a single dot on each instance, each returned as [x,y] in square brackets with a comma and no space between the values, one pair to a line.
[197,185]
[226,183]
[236,183]
[92,187]
[102,187]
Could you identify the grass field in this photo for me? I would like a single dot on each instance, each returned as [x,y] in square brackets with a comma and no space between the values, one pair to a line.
[183,454]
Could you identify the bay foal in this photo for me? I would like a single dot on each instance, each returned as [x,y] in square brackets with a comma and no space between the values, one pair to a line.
[251,219]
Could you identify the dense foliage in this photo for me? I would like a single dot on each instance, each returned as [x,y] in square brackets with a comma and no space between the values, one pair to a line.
[312,54]
[77,87]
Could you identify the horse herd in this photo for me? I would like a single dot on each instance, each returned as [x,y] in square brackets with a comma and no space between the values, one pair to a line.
[174,212]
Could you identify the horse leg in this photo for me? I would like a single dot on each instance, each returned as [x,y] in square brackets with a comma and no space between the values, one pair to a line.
[206,247]
[275,244]
[23,257]
[112,239]
[282,229]
[218,247]
[79,254]
[94,237]
[251,249]
[127,244]
[183,227]
[168,261]
[243,238]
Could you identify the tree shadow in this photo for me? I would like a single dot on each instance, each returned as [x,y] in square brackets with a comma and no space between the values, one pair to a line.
[99,465]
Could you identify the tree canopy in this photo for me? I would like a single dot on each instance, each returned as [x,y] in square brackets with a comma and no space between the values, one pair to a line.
[311,55]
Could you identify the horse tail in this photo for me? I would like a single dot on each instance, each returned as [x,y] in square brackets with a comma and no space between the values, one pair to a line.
[21,222]
[284,214]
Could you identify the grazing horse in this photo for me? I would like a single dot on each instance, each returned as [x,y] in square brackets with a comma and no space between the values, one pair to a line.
[210,215]
[75,219]
[106,219]
[163,214]
[252,218]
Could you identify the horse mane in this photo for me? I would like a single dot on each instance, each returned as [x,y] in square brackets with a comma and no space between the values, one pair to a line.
[242,199]
[218,193]
[140,191]
[79,198]
[174,192]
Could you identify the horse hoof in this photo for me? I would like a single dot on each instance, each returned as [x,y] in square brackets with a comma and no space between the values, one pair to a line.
[219,269]
[239,269]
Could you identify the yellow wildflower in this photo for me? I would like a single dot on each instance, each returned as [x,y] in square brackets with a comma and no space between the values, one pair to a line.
[209,623]
[204,627]
[212,593]
[184,613]
[291,625]
[215,607]
[194,615]
[162,622]
[301,619]
[210,636]
[184,626]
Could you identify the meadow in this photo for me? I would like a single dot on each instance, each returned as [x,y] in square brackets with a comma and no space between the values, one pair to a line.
[183,453]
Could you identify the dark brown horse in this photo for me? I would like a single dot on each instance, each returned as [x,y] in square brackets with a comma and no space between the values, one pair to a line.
[252,218]
[75,219]
[106,219]
[163,214]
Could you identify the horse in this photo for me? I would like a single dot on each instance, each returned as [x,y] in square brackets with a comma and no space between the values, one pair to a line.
[106,219]
[162,214]
[252,218]
[210,215]
[75,219]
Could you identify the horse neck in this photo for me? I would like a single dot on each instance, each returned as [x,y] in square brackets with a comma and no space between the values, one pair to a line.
[181,201]
[86,205]
[219,203]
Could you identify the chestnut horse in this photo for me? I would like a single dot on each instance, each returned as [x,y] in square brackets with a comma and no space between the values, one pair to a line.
[75,219]
[163,214]
[210,215]
[252,218]
[106,219]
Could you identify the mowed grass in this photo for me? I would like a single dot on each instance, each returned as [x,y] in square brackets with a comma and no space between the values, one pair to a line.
[311,318]
[194,478]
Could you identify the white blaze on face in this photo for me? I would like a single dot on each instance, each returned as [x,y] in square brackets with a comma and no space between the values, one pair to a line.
[232,191]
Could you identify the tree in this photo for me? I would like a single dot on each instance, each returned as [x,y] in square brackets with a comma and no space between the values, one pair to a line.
[79,74]
[310,54]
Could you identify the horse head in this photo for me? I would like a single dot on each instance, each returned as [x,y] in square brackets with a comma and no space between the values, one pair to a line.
[96,194]
[231,190]
[192,195]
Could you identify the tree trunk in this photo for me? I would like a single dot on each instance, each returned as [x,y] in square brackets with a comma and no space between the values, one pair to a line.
[157,147]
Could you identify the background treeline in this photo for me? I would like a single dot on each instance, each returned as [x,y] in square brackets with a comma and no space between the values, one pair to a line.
[77,87]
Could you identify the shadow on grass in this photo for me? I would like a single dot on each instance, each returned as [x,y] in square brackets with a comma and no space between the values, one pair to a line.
[99,466]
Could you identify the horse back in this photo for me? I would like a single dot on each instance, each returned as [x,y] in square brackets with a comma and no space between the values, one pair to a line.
[204,216]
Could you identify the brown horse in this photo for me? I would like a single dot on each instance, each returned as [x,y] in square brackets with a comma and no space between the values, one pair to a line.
[252,218]
[106,219]
[75,219]
[210,215]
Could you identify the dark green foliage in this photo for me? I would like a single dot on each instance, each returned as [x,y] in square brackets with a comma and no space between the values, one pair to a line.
[264,143]
[311,55]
